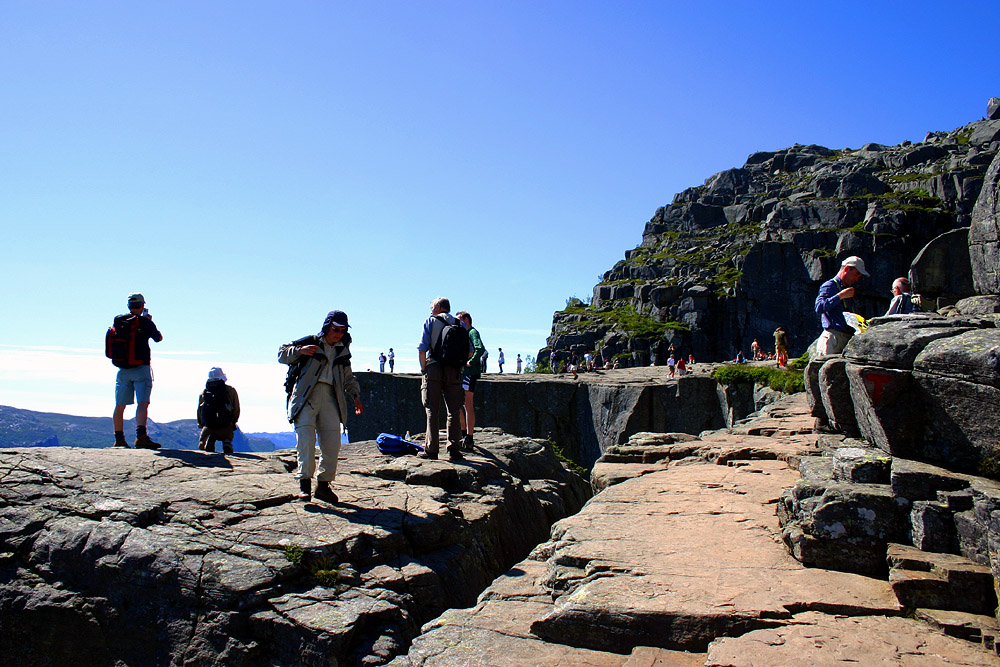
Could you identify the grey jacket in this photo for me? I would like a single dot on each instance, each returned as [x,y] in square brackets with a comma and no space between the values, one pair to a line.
[312,367]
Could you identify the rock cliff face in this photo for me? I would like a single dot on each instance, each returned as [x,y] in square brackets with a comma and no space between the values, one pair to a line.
[584,417]
[111,556]
[730,260]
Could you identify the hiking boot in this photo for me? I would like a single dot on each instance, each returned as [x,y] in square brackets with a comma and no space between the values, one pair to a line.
[467,442]
[227,448]
[305,489]
[428,456]
[121,443]
[209,447]
[144,442]
[325,493]
[455,454]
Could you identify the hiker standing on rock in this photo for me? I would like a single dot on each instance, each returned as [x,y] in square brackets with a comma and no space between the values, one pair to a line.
[127,345]
[470,376]
[318,379]
[830,306]
[218,412]
[444,349]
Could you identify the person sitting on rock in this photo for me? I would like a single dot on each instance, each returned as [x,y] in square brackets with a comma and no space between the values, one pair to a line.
[902,300]
[218,412]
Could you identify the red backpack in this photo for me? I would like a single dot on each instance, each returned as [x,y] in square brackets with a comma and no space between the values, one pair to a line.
[119,342]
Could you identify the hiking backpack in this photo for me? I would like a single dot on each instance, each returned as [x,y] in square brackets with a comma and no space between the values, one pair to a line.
[452,346]
[215,408]
[393,445]
[119,341]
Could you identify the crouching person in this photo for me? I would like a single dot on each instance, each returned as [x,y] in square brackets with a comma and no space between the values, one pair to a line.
[319,377]
[218,412]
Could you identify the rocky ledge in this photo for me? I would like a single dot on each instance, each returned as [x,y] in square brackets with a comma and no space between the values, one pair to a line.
[680,562]
[112,557]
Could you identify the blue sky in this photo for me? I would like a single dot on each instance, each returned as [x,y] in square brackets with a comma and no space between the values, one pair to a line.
[249,166]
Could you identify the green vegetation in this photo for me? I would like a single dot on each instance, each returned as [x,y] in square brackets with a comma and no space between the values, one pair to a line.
[624,317]
[321,568]
[906,178]
[963,137]
[294,553]
[800,363]
[989,465]
[787,380]
[568,462]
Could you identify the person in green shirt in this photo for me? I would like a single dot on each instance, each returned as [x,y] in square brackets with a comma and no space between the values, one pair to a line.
[470,378]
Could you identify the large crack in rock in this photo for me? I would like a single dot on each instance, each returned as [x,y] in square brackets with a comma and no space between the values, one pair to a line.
[176,557]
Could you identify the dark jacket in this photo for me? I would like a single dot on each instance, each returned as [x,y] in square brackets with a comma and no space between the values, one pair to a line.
[234,401]
[146,331]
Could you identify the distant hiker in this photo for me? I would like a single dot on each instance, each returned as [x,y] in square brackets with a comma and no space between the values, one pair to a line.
[681,366]
[486,353]
[470,376]
[740,359]
[127,345]
[755,350]
[552,361]
[381,362]
[671,363]
[588,363]
[780,346]
[500,360]
[218,412]
[902,300]
[444,350]
[319,379]
[518,364]
[392,360]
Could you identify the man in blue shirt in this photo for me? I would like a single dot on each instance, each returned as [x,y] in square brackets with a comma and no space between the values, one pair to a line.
[830,303]
[440,377]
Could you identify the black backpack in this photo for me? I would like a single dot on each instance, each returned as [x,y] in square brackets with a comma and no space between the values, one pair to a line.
[452,346]
[119,341]
[214,408]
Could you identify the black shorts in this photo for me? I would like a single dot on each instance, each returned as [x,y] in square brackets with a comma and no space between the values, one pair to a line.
[469,384]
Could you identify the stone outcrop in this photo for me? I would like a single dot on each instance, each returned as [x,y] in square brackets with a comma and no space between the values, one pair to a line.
[175,557]
[583,416]
[984,234]
[679,562]
[730,260]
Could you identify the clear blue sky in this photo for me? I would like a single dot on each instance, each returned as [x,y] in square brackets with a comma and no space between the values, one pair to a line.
[249,166]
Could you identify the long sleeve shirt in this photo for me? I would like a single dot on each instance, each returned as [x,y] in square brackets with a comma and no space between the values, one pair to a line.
[830,307]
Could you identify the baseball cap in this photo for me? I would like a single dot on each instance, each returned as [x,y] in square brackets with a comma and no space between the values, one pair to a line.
[335,318]
[857,263]
[135,300]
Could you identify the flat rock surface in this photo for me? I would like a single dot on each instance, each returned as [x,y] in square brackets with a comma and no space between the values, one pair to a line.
[207,557]
[681,563]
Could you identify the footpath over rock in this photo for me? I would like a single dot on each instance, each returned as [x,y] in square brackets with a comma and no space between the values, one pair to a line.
[683,564]
[113,556]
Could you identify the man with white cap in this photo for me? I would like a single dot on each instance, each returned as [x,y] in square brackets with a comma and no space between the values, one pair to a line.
[830,304]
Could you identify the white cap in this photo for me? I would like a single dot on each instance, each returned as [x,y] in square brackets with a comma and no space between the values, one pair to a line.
[855,262]
[216,374]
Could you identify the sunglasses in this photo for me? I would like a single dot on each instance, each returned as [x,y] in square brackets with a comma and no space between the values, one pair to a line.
[338,329]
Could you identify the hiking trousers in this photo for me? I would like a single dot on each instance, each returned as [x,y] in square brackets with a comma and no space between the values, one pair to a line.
[443,380]
[319,419]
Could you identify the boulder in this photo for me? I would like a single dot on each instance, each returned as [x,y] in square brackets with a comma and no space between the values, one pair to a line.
[835,391]
[886,412]
[942,269]
[984,233]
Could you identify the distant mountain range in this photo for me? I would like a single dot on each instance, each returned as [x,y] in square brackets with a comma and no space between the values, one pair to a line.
[26,428]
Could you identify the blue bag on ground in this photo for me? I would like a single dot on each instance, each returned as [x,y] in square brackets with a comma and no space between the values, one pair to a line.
[396,446]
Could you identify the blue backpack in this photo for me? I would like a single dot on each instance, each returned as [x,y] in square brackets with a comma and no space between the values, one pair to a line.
[396,446]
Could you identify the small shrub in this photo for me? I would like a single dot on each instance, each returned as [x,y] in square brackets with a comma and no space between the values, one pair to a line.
[786,380]
[568,462]
[989,465]
[294,553]
[800,363]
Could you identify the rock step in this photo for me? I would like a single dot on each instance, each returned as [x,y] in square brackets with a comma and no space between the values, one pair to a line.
[940,581]
[971,627]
